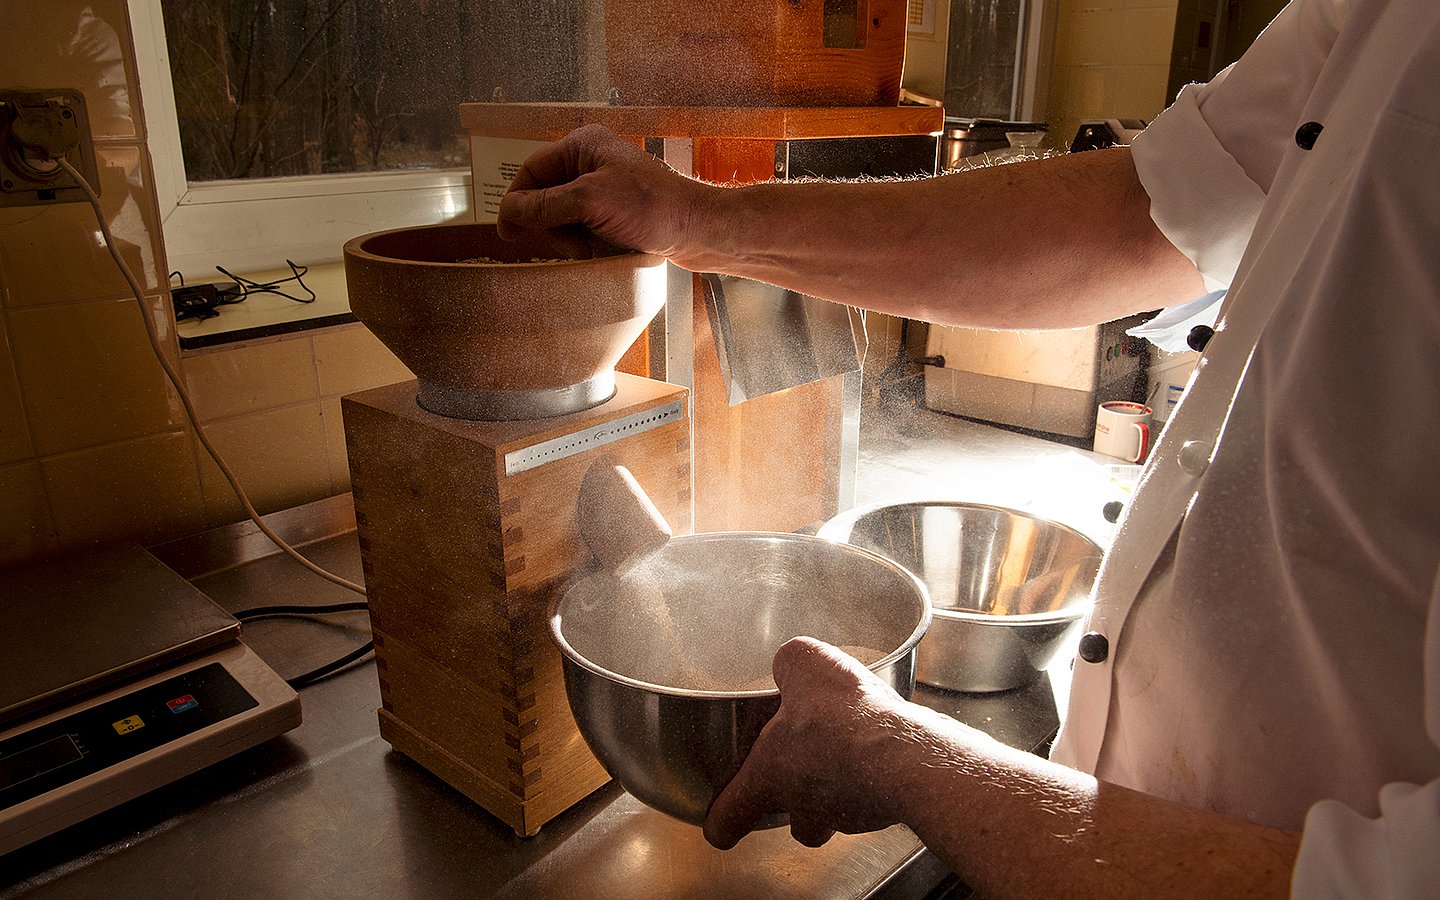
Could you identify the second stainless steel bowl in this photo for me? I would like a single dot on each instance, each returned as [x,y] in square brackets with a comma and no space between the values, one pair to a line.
[711,610]
[1008,588]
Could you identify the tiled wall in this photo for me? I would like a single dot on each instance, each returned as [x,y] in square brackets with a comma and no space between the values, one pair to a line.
[93,443]
[1112,60]
[1196,35]
[925,54]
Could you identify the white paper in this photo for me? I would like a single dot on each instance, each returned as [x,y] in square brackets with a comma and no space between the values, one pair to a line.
[493,164]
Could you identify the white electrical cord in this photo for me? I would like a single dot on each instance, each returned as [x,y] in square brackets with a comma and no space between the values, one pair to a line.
[174,377]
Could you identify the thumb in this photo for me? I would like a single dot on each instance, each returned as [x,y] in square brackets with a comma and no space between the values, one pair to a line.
[801,659]
[741,804]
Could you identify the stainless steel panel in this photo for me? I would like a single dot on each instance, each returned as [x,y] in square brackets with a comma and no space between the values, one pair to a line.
[679,338]
[850,403]
[672,333]
[770,339]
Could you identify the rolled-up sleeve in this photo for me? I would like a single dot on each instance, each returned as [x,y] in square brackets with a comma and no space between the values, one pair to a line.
[1344,854]
[1208,161]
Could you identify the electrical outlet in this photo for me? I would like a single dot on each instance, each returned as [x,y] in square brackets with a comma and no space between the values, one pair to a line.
[35,127]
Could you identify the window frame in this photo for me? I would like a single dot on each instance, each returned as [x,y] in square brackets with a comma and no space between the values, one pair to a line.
[256,224]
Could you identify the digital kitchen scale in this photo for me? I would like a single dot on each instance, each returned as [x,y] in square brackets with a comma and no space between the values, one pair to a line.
[117,676]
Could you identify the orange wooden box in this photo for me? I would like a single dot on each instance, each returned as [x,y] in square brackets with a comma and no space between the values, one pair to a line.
[461,562]
[756,52]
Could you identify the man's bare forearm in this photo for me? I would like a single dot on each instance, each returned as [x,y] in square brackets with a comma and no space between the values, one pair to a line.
[1017,826]
[1046,244]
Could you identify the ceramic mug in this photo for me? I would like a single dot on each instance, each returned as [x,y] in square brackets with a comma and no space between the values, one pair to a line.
[1122,429]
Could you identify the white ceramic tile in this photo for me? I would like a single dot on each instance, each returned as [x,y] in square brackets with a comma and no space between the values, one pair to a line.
[55,254]
[251,379]
[1136,91]
[352,359]
[145,490]
[1147,37]
[88,375]
[26,529]
[279,456]
[14,431]
[1090,37]
[335,452]
[81,44]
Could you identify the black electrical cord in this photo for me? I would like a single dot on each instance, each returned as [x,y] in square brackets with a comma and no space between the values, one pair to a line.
[298,609]
[246,287]
[153,336]
[331,667]
[305,611]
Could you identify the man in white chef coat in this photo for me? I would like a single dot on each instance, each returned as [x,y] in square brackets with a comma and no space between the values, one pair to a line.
[1258,691]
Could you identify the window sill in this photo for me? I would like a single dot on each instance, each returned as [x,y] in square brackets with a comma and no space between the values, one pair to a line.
[268,315]
[254,234]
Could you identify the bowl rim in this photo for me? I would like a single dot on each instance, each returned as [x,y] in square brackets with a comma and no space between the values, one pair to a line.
[354,249]
[907,646]
[839,527]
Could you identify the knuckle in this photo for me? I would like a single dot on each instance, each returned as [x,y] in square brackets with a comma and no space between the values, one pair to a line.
[582,190]
[590,135]
[540,204]
[809,832]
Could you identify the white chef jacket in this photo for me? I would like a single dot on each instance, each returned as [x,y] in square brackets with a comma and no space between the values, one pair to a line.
[1276,654]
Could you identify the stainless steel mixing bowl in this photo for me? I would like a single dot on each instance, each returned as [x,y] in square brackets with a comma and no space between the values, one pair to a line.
[1009,589]
[711,610]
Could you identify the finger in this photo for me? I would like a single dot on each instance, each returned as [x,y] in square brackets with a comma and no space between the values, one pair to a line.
[582,150]
[743,802]
[541,208]
[555,163]
[795,657]
[810,832]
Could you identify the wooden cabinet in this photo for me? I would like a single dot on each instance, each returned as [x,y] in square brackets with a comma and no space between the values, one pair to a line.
[468,532]
[756,52]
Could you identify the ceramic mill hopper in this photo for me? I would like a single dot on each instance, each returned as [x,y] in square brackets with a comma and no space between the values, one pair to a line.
[497,329]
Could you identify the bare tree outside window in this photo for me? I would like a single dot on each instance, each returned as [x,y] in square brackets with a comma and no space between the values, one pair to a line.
[272,88]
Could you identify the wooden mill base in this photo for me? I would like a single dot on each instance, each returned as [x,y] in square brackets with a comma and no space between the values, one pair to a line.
[463,551]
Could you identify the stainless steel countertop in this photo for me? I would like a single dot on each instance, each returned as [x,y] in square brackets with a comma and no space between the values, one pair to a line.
[329,810]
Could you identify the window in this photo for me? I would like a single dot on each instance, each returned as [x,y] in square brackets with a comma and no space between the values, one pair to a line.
[315,88]
[282,129]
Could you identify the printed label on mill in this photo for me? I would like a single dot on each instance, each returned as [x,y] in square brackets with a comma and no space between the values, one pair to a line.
[522,460]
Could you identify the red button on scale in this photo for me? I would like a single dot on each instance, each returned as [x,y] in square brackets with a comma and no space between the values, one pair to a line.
[180,704]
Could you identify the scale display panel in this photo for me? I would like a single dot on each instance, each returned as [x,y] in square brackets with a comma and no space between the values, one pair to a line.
[94,739]
[118,676]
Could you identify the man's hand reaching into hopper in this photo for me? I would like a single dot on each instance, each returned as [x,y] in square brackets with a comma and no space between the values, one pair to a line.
[592,181]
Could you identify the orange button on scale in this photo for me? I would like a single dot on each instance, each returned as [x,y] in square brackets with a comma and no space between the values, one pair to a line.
[127,725]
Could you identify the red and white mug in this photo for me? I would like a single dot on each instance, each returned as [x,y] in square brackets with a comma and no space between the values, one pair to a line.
[1122,429]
